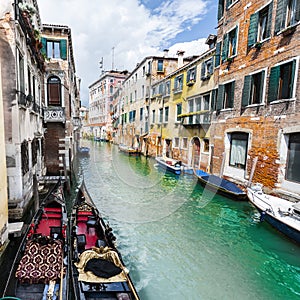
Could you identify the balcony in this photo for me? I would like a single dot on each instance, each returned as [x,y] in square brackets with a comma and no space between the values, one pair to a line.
[196,118]
[54,114]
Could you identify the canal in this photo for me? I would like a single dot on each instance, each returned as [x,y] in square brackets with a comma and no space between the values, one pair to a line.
[181,241]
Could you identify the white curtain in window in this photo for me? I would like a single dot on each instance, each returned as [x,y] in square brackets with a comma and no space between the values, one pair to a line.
[238,152]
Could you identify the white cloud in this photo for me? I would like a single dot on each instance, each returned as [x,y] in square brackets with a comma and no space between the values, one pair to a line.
[128,26]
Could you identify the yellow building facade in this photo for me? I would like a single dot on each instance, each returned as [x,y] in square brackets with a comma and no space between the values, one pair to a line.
[180,113]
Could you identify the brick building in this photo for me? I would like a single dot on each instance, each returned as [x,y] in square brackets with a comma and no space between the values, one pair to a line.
[62,100]
[257,105]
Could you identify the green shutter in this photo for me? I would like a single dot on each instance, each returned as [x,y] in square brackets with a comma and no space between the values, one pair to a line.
[292,78]
[220,98]
[273,83]
[246,90]
[280,15]
[213,100]
[231,96]
[225,47]
[269,21]
[252,32]
[63,49]
[217,55]
[211,66]
[261,88]
[44,48]
[220,9]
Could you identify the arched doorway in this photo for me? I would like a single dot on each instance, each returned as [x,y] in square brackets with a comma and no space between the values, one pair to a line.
[196,152]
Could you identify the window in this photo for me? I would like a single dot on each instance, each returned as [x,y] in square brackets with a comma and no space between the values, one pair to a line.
[55,48]
[34,151]
[229,44]
[161,89]
[225,96]
[141,113]
[238,150]
[205,145]
[178,111]
[178,83]
[160,115]
[176,142]
[132,116]
[253,89]
[25,157]
[293,161]
[191,75]
[160,65]
[166,114]
[54,91]
[167,87]
[153,116]
[184,143]
[22,95]
[281,81]
[111,89]
[260,25]
[207,69]
[287,14]
[143,91]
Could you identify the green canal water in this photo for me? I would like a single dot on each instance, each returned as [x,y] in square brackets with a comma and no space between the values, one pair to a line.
[181,241]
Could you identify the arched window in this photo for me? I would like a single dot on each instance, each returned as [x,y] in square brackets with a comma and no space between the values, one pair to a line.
[54,91]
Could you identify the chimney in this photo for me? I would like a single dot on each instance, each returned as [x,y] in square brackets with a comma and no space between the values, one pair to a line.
[166,51]
[180,58]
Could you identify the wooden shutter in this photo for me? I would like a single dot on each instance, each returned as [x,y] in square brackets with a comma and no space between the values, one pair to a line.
[231,96]
[214,94]
[252,32]
[225,47]
[273,84]
[220,9]
[44,45]
[217,55]
[219,104]
[280,15]
[211,66]
[246,90]
[63,49]
[269,20]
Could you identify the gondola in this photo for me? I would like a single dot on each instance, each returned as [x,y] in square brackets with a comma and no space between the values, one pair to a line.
[97,269]
[39,270]
[220,185]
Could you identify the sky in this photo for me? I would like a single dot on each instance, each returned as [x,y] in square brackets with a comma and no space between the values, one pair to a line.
[124,32]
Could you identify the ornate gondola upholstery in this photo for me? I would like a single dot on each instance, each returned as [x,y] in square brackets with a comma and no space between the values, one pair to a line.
[42,261]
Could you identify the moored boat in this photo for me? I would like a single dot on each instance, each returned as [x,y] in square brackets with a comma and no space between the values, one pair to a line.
[282,214]
[169,164]
[220,185]
[129,150]
[84,151]
[39,270]
[97,269]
